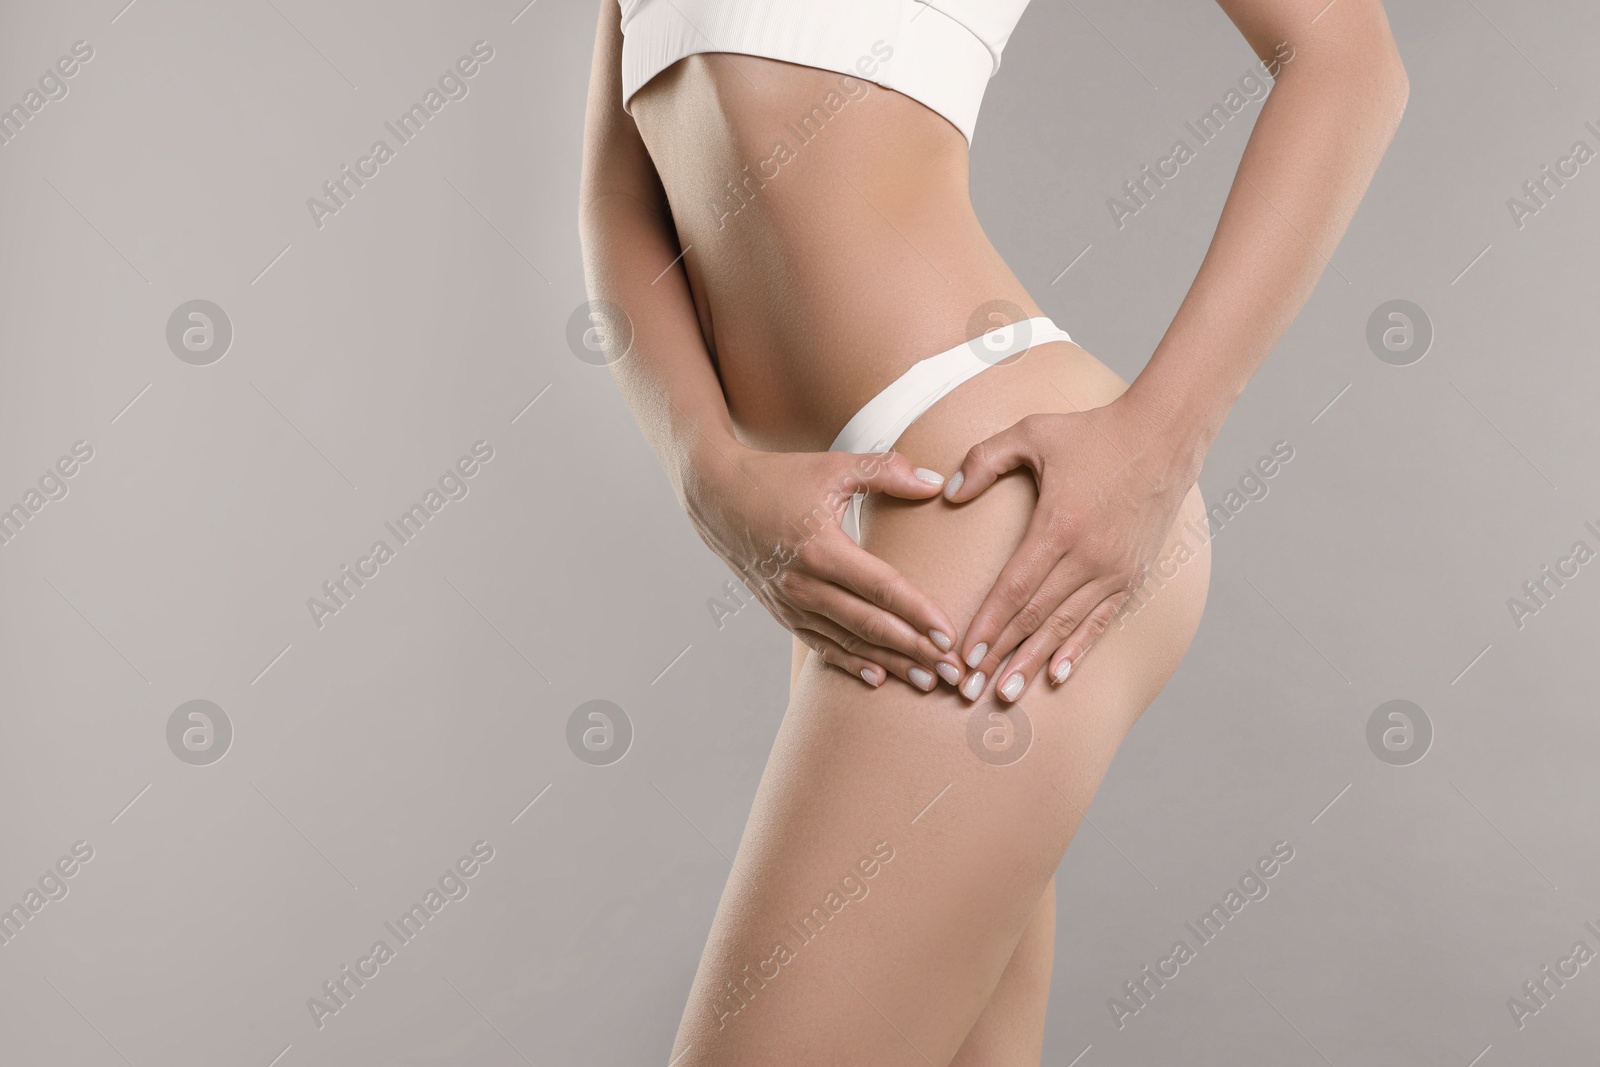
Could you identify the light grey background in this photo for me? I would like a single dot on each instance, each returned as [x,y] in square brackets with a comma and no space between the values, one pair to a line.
[370,754]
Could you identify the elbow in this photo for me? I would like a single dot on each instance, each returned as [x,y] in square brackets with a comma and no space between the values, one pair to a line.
[1371,55]
[1354,55]
[1392,104]
[1369,75]
[1396,88]
[1390,86]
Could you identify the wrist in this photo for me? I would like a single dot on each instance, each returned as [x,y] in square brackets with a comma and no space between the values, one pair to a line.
[705,465]
[1178,433]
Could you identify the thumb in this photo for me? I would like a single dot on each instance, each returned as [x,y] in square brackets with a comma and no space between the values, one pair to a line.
[893,474]
[989,459]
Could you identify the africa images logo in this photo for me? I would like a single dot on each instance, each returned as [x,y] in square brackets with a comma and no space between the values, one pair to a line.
[52,86]
[453,85]
[53,485]
[52,887]
[454,484]
[453,885]
[738,992]
[1140,191]
[1252,887]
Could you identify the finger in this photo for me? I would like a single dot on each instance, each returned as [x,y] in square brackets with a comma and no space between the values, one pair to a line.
[835,656]
[835,559]
[892,474]
[869,601]
[884,638]
[1032,656]
[1015,590]
[1064,599]
[878,662]
[989,459]
[1084,637]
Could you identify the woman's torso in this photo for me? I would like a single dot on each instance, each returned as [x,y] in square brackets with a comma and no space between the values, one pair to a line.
[829,236]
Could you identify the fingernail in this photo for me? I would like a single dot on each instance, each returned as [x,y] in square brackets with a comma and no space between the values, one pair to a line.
[931,477]
[948,671]
[1012,688]
[870,676]
[974,686]
[953,486]
[979,650]
[1061,671]
[921,679]
[940,638]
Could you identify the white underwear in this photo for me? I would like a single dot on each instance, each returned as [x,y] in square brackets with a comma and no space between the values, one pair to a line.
[881,421]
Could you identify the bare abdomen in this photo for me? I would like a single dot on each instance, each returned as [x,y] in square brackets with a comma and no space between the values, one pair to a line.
[829,234]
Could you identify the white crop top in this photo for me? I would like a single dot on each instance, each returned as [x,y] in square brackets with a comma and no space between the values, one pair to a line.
[941,53]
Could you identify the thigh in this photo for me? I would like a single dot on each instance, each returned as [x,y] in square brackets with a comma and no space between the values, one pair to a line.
[899,844]
[1010,1030]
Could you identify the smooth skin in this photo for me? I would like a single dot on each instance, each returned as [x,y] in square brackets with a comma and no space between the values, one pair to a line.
[947,957]
[756,326]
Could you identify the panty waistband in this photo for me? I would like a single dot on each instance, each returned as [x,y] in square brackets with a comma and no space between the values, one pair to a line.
[881,421]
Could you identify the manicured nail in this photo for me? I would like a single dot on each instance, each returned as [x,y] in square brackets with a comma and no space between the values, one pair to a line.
[940,638]
[922,679]
[948,671]
[953,486]
[870,676]
[931,477]
[979,650]
[974,687]
[1012,687]
[1061,671]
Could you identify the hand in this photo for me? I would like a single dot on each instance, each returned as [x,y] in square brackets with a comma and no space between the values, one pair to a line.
[1109,491]
[774,517]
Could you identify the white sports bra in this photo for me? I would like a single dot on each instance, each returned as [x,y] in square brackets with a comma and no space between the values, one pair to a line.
[941,53]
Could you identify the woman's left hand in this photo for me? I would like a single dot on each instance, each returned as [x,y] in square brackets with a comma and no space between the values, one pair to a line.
[1110,485]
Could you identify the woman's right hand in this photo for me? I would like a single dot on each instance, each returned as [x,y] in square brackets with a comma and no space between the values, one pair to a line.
[775,518]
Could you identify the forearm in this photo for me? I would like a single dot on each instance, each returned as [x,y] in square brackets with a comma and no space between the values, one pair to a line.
[632,262]
[1308,162]
[769,515]
[667,376]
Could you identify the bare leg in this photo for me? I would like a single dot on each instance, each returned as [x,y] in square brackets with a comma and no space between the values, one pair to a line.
[1010,1031]
[889,873]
